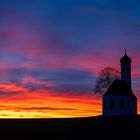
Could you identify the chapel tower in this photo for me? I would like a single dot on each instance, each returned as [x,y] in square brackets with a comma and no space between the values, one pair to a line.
[126,69]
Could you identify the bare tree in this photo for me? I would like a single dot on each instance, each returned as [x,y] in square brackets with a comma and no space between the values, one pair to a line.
[105,79]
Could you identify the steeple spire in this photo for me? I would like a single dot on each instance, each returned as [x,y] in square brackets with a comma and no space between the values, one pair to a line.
[126,69]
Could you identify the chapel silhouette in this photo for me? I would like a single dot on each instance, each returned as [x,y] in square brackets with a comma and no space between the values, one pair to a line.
[120,99]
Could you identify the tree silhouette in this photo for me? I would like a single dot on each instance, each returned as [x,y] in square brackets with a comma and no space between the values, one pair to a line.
[105,79]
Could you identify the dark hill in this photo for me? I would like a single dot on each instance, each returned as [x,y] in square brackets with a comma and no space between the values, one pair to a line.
[90,128]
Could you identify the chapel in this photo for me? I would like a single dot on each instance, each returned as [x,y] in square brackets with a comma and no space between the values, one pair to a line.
[120,99]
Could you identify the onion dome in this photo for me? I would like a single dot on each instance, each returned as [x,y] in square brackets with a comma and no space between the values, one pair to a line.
[125,59]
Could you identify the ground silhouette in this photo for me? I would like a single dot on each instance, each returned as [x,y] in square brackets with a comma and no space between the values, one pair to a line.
[90,128]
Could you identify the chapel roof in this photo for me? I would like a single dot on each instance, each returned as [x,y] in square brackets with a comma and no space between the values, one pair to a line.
[118,87]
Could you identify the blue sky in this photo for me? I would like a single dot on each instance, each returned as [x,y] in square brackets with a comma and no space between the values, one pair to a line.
[67,42]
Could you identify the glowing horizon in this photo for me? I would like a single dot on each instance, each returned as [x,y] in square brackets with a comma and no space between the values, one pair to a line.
[46,104]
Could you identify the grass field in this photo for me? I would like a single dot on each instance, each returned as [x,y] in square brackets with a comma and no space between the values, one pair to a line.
[90,128]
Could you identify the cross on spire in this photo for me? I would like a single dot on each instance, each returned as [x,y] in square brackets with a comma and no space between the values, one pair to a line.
[125,51]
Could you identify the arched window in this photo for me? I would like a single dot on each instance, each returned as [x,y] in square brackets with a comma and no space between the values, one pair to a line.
[133,105]
[111,104]
[122,104]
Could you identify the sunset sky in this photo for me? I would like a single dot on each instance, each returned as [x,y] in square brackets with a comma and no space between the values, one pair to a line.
[51,52]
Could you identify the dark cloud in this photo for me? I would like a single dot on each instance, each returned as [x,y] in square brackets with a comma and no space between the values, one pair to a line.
[18,108]
[43,108]
[73,82]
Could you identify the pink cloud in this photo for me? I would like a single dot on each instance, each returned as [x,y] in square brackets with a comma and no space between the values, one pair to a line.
[29,79]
